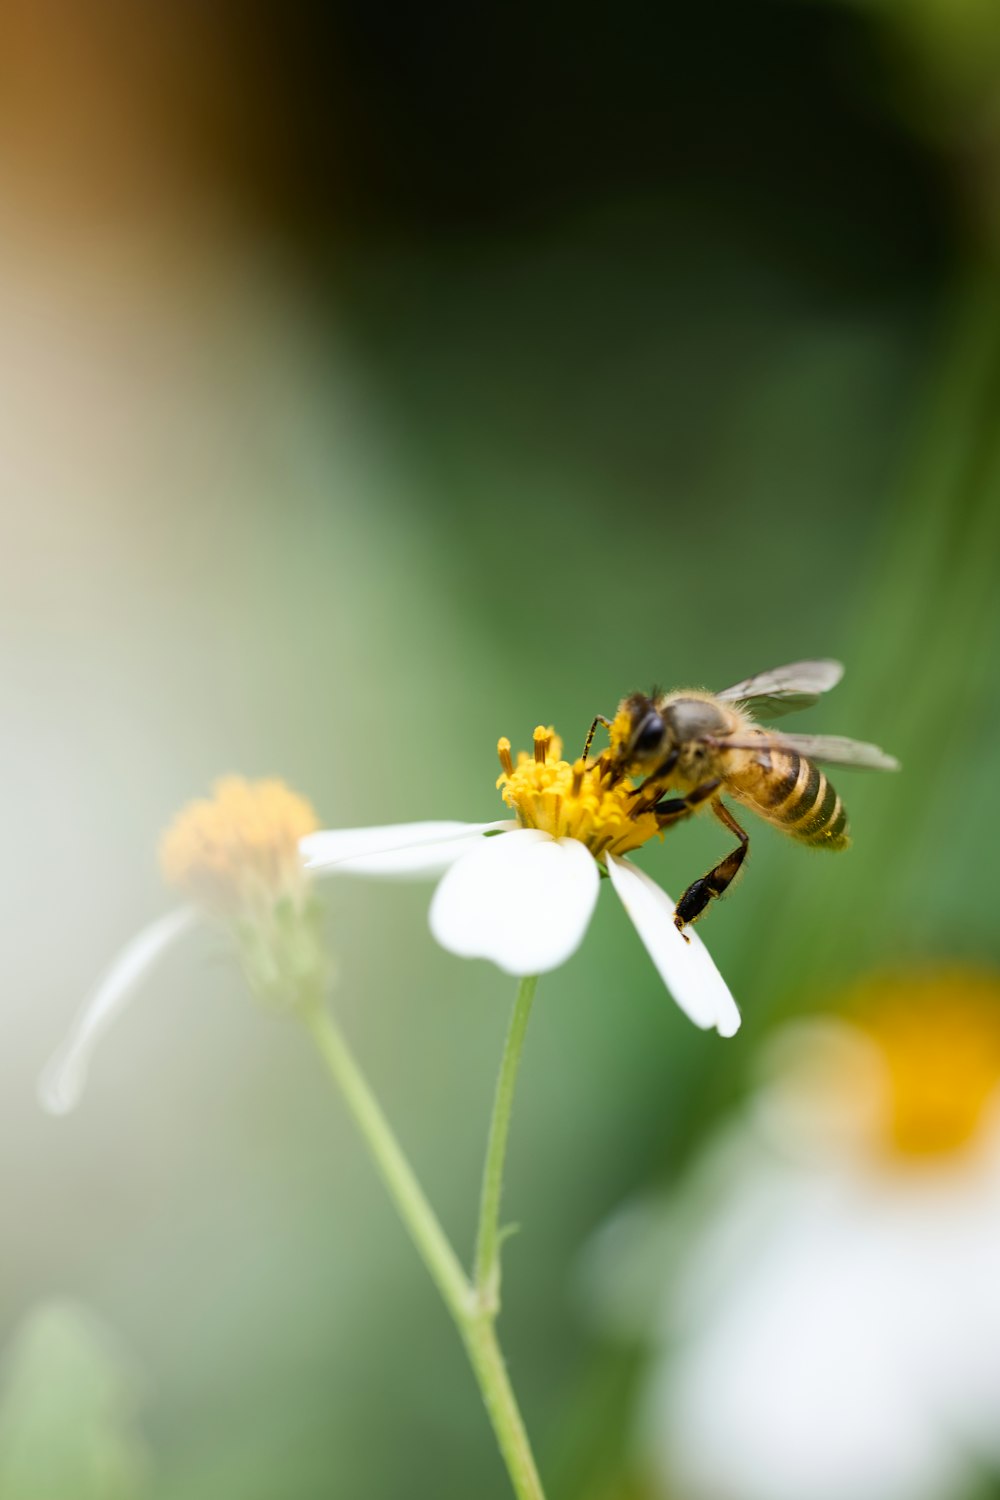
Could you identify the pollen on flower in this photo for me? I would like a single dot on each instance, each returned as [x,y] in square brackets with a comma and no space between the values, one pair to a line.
[571,799]
[239,848]
[939,1038]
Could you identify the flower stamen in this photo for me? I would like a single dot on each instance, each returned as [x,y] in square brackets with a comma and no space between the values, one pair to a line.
[572,800]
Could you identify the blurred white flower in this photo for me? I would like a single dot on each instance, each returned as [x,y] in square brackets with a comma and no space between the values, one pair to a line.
[236,855]
[522,893]
[823,1295]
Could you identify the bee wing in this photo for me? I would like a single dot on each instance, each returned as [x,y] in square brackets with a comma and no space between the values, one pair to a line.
[785,689]
[833,749]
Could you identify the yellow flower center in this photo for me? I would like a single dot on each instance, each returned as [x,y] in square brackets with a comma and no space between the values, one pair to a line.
[572,800]
[238,850]
[939,1037]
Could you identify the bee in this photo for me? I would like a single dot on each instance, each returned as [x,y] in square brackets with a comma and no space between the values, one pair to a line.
[704,745]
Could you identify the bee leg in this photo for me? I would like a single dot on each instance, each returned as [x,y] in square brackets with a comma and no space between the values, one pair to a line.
[701,892]
[662,771]
[598,719]
[671,810]
[647,800]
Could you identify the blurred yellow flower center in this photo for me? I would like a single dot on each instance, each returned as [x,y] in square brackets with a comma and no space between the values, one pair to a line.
[239,849]
[939,1036]
[572,801]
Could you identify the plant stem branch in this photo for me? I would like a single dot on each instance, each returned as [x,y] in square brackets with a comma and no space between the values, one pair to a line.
[487,1265]
[480,1339]
[416,1213]
[474,1320]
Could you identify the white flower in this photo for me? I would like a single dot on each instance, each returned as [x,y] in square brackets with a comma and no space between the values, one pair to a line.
[518,893]
[823,1294]
[522,894]
[237,855]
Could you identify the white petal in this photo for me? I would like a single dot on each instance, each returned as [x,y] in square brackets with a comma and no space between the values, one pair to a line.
[686,968]
[837,1409]
[394,851]
[522,900]
[61,1083]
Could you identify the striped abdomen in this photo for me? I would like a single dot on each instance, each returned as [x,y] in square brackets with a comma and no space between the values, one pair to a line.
[792,792]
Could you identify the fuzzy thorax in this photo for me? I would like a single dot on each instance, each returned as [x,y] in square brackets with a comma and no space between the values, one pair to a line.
[571,799]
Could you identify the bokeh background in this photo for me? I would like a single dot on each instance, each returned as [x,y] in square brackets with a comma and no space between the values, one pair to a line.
[375,381]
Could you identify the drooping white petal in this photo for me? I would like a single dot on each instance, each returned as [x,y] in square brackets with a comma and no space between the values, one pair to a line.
[686,968]
[62,1080]
[522,900]
[395,851]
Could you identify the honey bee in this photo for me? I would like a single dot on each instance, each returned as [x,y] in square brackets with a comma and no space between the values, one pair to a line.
[705,744]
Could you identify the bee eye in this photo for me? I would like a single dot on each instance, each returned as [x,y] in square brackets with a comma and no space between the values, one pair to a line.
[650,735]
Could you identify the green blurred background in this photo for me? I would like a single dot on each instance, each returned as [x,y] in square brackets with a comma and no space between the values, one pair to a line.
[374,382]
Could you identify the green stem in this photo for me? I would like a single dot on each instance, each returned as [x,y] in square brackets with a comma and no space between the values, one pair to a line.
[473,1318]
[487,1274]
[420,1219]
[480,1339]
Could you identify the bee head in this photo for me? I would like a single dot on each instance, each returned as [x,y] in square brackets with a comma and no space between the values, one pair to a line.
[641,737]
